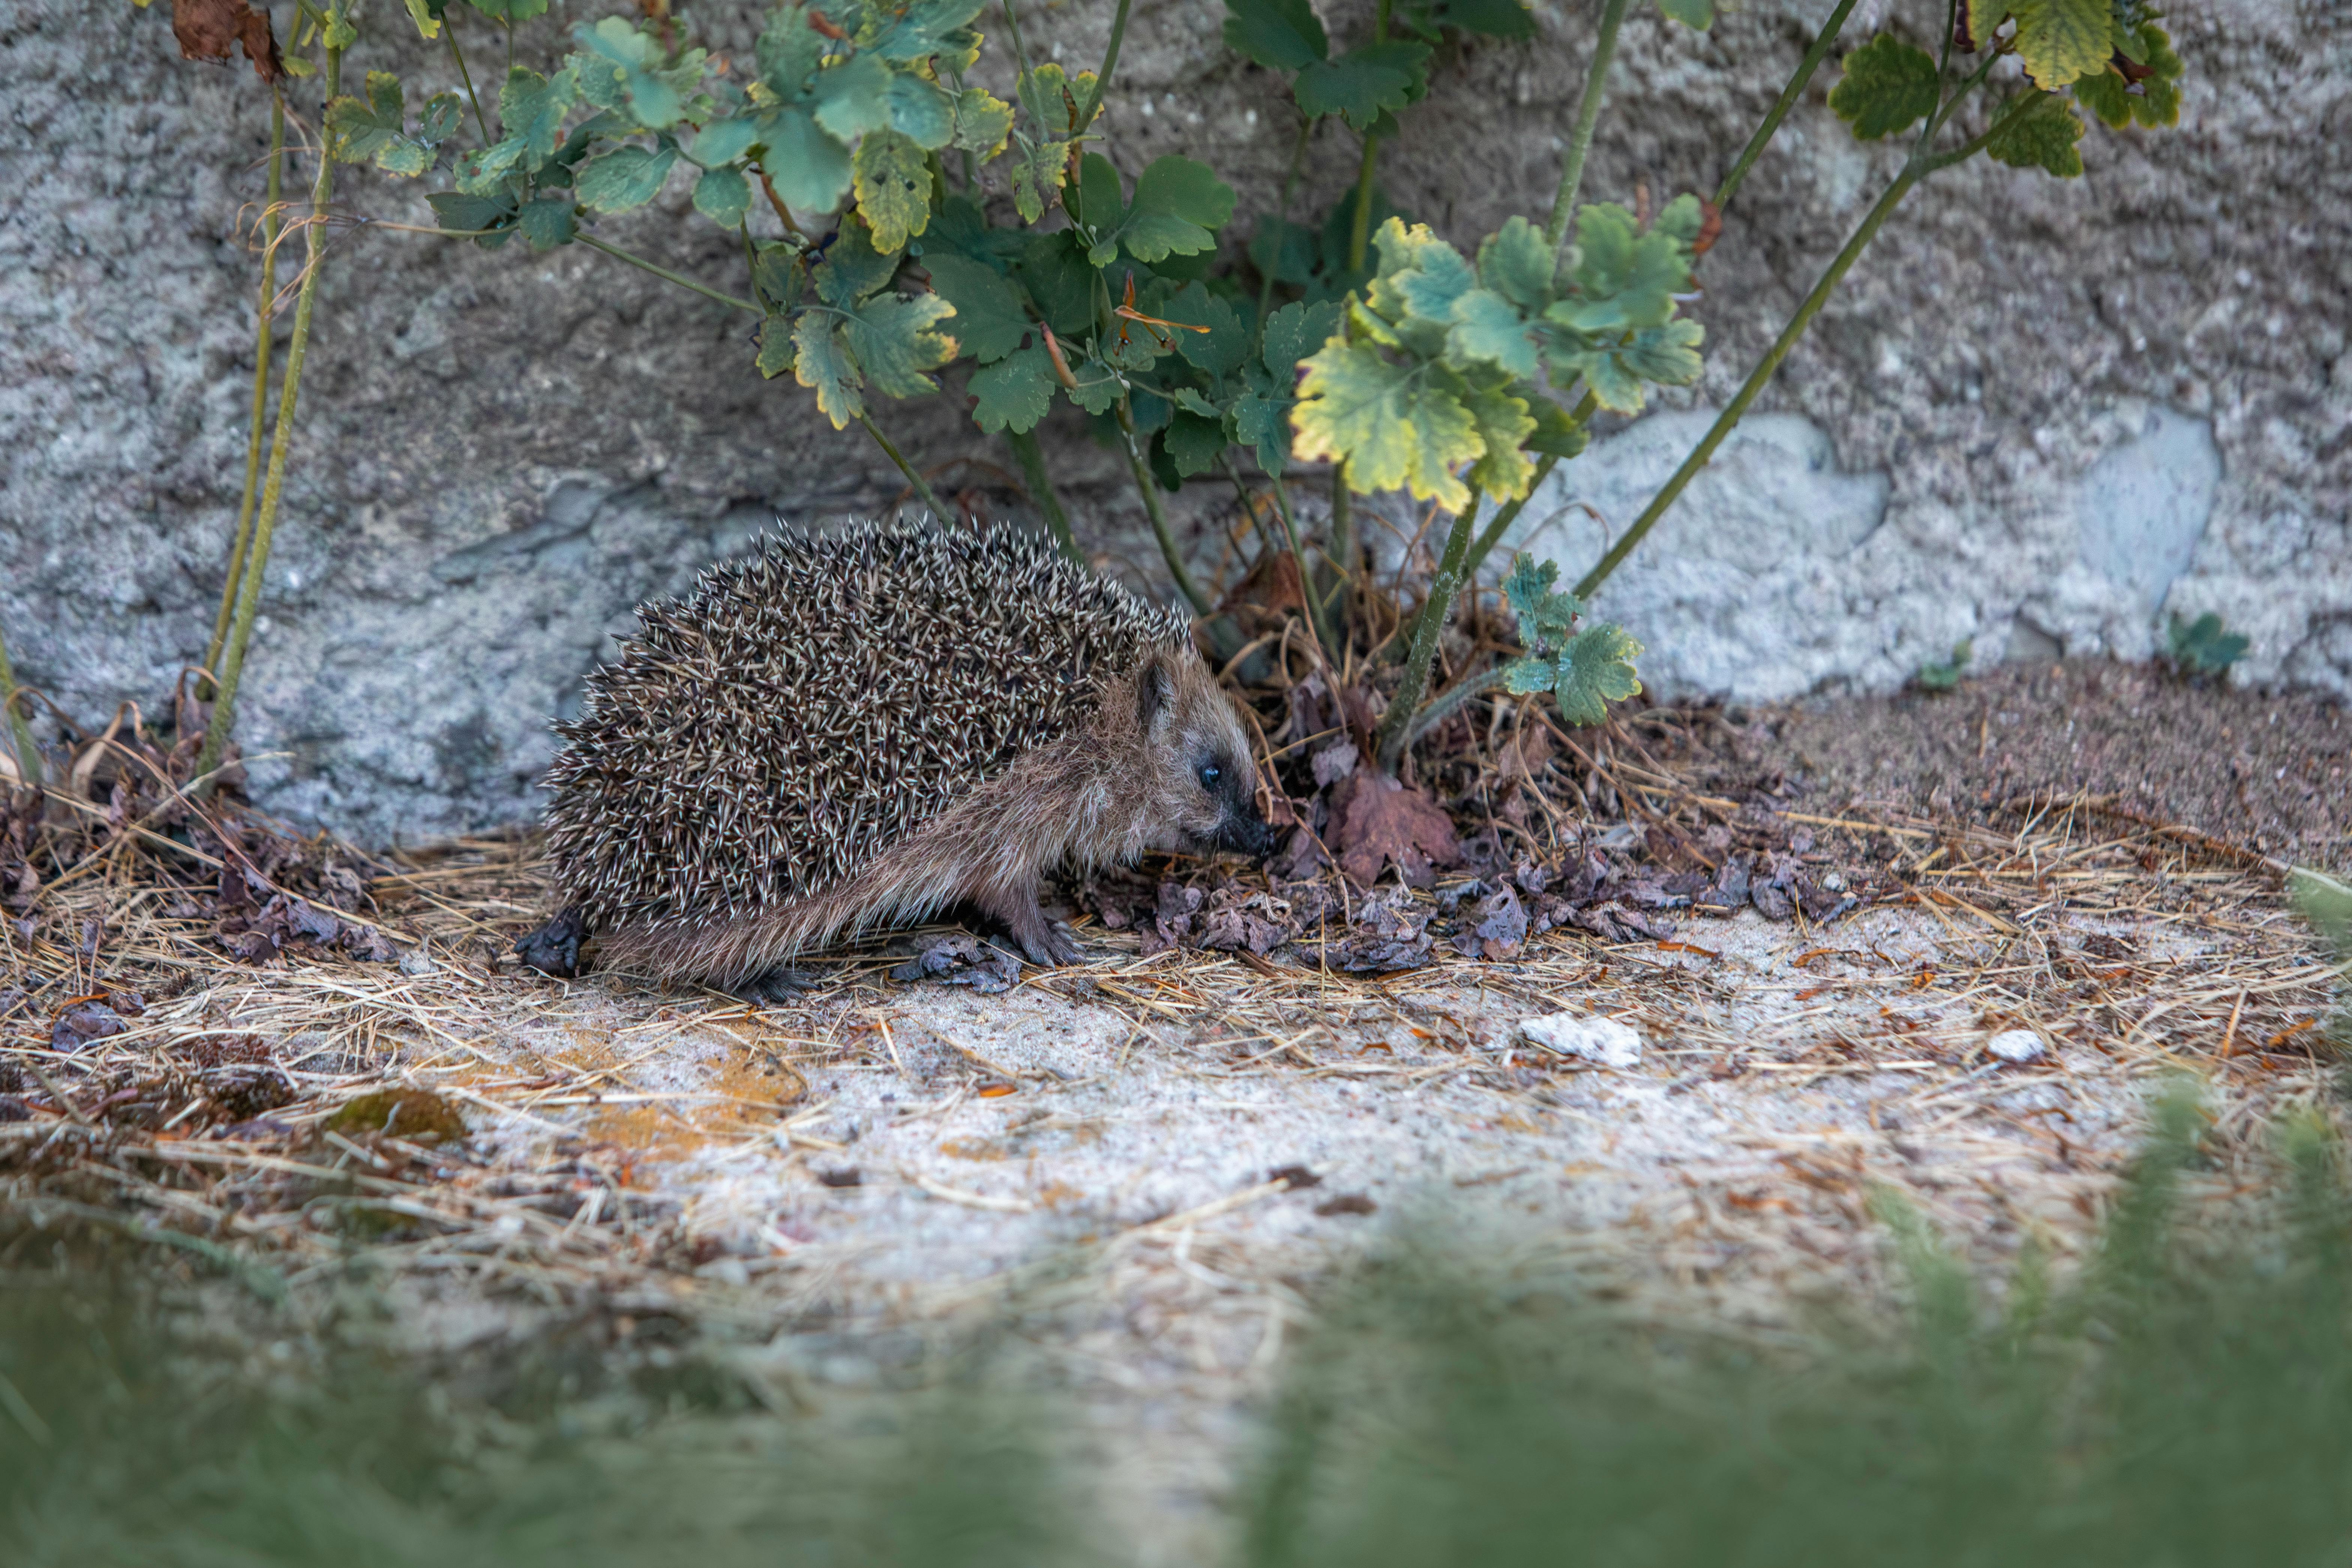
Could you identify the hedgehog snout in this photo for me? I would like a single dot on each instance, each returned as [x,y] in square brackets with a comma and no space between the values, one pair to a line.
[1244,832]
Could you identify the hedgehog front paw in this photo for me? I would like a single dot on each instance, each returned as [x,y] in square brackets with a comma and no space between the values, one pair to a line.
[1043,942]
[777,987]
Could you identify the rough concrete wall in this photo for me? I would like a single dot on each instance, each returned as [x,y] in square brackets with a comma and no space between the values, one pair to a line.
[2004,428]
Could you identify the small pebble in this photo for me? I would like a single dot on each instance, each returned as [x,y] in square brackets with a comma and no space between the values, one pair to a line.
[2016,1045]
[1604,1042]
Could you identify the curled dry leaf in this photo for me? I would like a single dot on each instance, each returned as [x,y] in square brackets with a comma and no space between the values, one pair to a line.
[207,28]
[1379,823]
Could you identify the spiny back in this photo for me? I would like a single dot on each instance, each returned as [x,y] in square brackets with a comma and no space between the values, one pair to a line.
[809,707]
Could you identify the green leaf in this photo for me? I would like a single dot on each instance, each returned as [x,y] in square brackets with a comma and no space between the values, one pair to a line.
[777,275]
[1555,435]
[775,346]
[1517,263]
[924,28]
[852,96]
[721,141]
[547,222]
[2043,138]
[1489,330]
[810,169]
[721,196]
[1545,615]
[1224,347]
[624,178]
[1014,393]
[2203,646]
[1595,669]
[440,116]
[990,321]
[469,212]
[1623,278]
[1888,87]
[982,122]
[852,268]
[623,66]
[1097,200]
[428,26]
[2155,100]
[1098,387]
[1193,444]
[1666,355]
[510,10]
[1682,220]
[359,130]
[1053,269]
[1503,472]
[1280,35]
[1699,14]
[1394,422]
[1524,676]
[1287,251]
[1179,207]
[1292,333]
[2064,40]
[894,343]
[1365,82]
[894,188]
[920,111]
[531,110]
[789,52]
[1262,425]
[1038,174]
[820,363]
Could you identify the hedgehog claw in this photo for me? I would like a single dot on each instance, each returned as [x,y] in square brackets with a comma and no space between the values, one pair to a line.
[776,988]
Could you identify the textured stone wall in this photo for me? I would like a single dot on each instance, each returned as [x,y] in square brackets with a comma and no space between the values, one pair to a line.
[2041,415]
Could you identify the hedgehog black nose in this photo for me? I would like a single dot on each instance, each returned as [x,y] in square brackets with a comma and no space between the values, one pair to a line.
[1245,833]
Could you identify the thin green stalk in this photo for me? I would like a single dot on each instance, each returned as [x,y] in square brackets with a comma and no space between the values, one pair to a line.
[666,275]
[1396,723]
[1359,233]
[1158,513]
[264,313]
[281,442]
[28,755]
[1917,168]
[1787,100]
[889,450]
[1307,594]
[1441,708]
[1093,104]
[449,34]
[1026,452]
[1587,116]
[1022,86]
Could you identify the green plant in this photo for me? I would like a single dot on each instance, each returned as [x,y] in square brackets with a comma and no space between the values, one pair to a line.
[1937,676]
[2203,646]
[854,146]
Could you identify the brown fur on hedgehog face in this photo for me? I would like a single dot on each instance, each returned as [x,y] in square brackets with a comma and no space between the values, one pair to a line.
[1193,785]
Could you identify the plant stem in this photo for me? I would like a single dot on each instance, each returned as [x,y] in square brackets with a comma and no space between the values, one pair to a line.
[666,275]
[28,755]
[1508,513]
[281,443]
[1358,234]
[1587,116]
[1787,100]
[1026,452]
[1442,707]
[450,32]
[1093,104]
[1309,599]
[264,313]
[1919,166]
[1396,724]
[1158,513]
[889,450]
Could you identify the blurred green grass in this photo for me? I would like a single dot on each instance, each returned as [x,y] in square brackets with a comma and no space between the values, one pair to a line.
[2184,1399]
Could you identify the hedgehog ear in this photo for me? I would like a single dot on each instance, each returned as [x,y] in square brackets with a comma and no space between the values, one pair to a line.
[1154,689]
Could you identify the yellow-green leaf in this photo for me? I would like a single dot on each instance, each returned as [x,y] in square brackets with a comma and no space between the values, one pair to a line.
[1391,421]
[2062,41]
[894,188]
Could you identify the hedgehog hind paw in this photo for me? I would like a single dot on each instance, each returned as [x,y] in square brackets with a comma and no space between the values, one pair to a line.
[777,987]
[554,948]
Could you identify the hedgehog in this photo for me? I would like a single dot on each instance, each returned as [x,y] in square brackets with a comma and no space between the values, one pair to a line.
[845,732]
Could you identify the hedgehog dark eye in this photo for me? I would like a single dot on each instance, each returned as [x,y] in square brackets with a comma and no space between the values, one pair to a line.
[1210,774]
